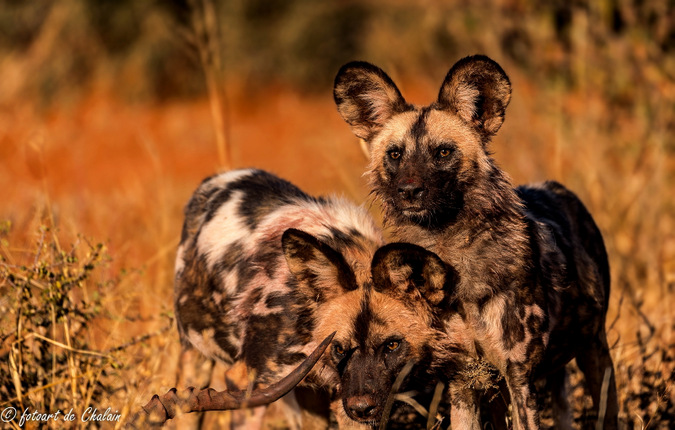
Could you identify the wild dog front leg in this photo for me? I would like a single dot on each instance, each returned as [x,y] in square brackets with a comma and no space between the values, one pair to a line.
[524,408]
[523,398]
[464,413]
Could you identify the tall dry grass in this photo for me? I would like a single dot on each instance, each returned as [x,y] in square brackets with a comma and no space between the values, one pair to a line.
[106,162]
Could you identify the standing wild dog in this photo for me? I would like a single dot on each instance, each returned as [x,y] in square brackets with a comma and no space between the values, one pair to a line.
[534,277]
[265,272]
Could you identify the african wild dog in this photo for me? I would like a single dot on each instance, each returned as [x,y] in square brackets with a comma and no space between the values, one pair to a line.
[265,272]
[534,277]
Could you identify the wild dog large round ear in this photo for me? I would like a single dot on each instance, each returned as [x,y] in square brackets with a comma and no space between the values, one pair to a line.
[403,268]
[477,89]
[366,98]
[322,272]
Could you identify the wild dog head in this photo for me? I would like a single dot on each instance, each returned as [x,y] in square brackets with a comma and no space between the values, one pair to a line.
[381,326]
[424,161]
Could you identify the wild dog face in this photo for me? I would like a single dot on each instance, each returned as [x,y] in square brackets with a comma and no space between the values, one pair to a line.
[425,160]
[380,326]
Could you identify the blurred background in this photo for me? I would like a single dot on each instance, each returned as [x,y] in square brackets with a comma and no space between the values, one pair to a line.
[112,111]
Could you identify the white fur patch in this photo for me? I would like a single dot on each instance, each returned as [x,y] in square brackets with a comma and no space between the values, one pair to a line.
[380,102]
[180,262]
[225,178]
[493,314]
[205,343]
[466,96]
[225,228]
[229,282]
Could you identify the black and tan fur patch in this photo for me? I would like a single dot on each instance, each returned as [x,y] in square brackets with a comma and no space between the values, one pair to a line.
[533,277]
[265,272]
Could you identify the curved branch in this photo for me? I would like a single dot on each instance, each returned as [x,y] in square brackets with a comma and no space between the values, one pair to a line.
[162,408]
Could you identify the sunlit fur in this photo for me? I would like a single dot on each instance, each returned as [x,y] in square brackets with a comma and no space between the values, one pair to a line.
[265,272]
[533,273]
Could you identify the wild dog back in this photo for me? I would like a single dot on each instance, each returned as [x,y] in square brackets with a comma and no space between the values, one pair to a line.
[235,296]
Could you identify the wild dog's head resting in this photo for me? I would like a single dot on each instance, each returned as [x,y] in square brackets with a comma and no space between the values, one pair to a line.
[380,326]
[425,160]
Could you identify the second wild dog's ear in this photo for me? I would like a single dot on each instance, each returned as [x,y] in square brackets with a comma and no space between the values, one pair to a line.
[478,91]
[322,272]
[403,268]
[366,98]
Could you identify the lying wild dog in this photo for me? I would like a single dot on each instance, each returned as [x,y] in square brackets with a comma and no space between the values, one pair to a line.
[534,277]
[265,272]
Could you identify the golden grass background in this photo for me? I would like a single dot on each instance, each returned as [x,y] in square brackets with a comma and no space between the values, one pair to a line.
[108,123]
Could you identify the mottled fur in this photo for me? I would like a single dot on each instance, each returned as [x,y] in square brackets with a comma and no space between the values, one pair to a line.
[264,272]
[534,277]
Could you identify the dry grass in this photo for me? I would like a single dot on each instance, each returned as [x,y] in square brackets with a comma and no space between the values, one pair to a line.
[98,169]
[128,193]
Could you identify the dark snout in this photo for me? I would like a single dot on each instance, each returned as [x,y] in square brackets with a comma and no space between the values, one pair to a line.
[362,407]
[410,185]
[365,389]
[411,191]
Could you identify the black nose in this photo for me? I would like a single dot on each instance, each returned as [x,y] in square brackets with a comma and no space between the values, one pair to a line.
[363,407]
[411,191]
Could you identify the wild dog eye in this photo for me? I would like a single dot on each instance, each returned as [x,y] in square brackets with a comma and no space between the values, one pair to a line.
[393,345]
[444,152]
[395,154]
[338,350]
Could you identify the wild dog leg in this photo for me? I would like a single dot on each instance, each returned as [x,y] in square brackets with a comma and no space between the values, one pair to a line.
[562,413]
[464,413]
[594,365]
[523,398]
